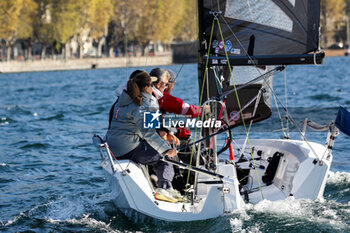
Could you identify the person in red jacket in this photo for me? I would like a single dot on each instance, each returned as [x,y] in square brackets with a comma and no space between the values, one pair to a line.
[172,104]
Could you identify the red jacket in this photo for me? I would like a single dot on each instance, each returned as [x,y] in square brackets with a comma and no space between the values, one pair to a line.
[171,104]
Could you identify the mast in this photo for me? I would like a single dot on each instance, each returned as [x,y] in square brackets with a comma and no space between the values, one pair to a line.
[201,46]
[347,33]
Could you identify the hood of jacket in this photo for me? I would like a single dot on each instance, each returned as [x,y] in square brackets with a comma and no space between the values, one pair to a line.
[124,99]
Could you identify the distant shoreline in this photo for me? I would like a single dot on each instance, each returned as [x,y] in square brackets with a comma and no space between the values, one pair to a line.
[101,63]
[82,64]
[334,52]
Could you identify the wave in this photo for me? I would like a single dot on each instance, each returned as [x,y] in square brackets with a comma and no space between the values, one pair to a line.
[324,97]
[237,226]
[88,222]
[338,178]
[329,214]
[63,209]
[292,215]
[6,120]
[34,145]
[59,116]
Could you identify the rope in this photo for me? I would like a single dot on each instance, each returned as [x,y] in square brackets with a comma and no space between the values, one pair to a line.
[280,117]
[239,106]
[258,97]
[110,151]
[284,108]
[293,121]
[200,102]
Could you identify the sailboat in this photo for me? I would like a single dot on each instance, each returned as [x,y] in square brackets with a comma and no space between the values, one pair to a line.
[241,45]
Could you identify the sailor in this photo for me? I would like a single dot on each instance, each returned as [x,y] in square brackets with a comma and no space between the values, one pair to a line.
[128,139]
[171,104]
[168,103]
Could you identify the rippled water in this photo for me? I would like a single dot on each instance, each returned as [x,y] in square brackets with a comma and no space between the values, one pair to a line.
[50,174]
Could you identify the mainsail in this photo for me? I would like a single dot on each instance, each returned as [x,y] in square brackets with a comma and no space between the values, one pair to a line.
[262,32]
[252,36]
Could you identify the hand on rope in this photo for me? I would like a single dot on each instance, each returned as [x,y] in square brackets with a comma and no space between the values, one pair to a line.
[170,137]
[206,109]
[171,153]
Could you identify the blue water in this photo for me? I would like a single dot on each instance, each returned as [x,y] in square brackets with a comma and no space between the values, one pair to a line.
[50,174]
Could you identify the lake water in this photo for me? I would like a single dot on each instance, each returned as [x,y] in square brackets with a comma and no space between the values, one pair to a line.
[50,174]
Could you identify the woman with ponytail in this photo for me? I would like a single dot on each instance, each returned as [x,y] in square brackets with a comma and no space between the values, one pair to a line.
[127,137]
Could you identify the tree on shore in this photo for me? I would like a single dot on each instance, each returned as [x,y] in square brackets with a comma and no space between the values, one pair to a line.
[65,19]
[102,13]
[186,28]
[27,20]
[332,19]
[144,23]
[43,28]
[9,21]
[121,24]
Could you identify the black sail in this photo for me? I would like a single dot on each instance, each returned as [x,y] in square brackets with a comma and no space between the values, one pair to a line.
[271,32]
[257,35]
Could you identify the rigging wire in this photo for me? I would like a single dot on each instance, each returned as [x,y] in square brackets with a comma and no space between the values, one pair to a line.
[200,102]
[239,106]
[286,99]
[280,117]
[274,93]
[251,121]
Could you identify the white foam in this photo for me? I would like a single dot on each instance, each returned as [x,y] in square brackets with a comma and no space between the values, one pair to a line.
[15,219]
[338,177]
[304,209]
[3,164]
[290,207]
[87,222]
[237,226]
[67,208]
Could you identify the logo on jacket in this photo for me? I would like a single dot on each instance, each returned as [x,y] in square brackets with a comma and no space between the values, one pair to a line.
[151,120]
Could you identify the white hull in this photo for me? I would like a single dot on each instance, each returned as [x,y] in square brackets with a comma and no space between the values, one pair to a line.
[297,175]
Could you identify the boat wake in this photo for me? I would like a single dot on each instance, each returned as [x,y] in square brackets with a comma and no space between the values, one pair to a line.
[330,214]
